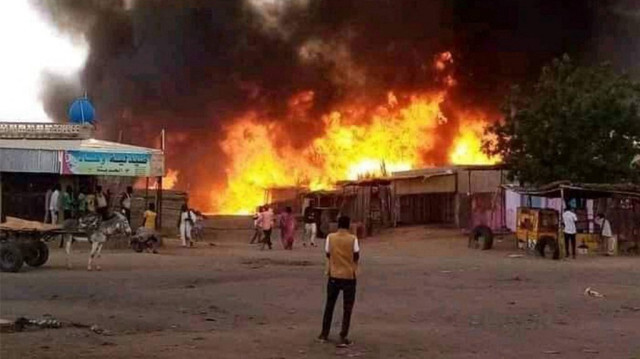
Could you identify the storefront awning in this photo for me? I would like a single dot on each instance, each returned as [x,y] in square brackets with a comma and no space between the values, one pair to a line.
[79,157]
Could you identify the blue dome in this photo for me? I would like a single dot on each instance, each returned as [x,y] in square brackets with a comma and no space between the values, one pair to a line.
[81,111]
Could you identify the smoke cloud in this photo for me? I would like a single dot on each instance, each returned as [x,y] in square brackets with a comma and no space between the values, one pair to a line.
[191,66]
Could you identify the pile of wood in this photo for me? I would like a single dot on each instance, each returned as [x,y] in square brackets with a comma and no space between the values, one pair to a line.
[17,224]
[172,200]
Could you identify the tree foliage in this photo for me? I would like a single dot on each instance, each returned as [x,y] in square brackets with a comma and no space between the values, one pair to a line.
[576,123]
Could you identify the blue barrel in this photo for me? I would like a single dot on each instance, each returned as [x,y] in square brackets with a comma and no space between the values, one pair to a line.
[81,111]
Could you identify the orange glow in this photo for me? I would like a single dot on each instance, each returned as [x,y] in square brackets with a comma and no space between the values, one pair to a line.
[168,182]
[467,146]
[392,137]
[358,140]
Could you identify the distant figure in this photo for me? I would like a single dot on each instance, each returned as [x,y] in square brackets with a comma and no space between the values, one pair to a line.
[47,201]
[54,204]
[67,203]
[569,219]
[91,202]
[150,215]
[125,202]
[102,205]
[257,231]
[185,224]
[310,226]
[266,224]
[606,236]
[81,203]
[343,253]
[197,233]
[287,228]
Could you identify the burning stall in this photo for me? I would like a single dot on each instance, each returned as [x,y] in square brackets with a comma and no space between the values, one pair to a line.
[369,203]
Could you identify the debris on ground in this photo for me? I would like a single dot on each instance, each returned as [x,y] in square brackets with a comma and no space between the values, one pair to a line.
[46,323]
[630,308]
[590,351]
[101,331]
[515,256]
[551,352]
[592,293]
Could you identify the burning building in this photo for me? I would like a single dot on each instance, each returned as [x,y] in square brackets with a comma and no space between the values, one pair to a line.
[256,94]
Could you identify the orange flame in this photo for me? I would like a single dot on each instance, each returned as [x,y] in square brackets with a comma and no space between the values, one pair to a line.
[168,181]
[358,141]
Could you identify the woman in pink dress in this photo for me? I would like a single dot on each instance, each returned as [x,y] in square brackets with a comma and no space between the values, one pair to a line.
[287,228]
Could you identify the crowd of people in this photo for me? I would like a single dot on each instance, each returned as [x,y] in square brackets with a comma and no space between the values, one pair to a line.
[265,221]
[66,204]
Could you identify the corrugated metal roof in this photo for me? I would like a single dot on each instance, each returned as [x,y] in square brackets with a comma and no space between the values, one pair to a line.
[447,170]
[32,161]
[74,145]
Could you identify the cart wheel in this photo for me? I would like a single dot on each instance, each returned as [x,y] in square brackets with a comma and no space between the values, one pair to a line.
[547,246]
[481,237]
[36,253]
[10,257]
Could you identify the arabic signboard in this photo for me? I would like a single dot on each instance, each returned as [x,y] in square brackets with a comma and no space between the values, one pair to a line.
[107,164]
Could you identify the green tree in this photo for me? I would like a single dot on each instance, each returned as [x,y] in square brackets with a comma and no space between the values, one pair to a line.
[576,123]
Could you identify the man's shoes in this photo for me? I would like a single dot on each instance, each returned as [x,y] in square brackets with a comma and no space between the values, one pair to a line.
[344,342]
[322,339]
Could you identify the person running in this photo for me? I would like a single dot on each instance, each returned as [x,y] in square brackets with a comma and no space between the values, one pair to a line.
[150,215]
[606,236]
[569,219]
[185,224]
[266,225]
[67,203]
[287,228]
[257,231]
[310,226]
[125,202]
[343,253]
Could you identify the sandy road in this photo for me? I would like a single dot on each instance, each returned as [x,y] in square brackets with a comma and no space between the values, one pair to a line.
[421,294]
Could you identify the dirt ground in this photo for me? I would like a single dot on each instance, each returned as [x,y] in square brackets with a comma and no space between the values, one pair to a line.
[421,294]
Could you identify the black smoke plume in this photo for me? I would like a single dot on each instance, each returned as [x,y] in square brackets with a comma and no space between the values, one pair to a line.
[191,66]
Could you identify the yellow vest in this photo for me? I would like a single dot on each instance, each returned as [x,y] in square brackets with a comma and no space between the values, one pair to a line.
[341,264]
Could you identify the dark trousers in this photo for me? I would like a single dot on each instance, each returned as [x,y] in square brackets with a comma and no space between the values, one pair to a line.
[267,237]
[127,214]
[348,288]
[570,238]
[257,233]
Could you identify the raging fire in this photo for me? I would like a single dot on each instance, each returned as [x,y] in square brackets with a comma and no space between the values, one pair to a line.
[358,141]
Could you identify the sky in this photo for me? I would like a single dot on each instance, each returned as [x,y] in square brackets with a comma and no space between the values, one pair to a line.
[31,48]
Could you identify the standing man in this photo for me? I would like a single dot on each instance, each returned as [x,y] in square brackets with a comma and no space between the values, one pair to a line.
[310,227]
[67,203]
[54,204]
[125,203]
[101,202]
[606,236]
[47,202]
[343,254]
[569,219]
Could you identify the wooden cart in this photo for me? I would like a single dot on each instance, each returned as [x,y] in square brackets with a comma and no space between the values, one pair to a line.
[24,241]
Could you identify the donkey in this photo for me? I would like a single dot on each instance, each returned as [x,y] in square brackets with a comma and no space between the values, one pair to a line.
[95,231]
